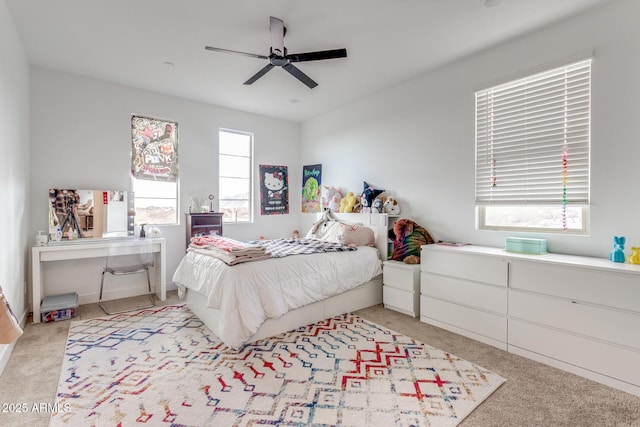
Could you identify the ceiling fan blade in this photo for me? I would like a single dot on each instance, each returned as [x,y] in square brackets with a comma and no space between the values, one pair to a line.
[276,26]
[315,56]
[252,55]
[295,72]
[259,74]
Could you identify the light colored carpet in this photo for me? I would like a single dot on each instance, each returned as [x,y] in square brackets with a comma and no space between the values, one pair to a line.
[534,394]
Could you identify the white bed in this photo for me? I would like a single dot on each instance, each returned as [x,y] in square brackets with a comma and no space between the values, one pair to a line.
[324,285]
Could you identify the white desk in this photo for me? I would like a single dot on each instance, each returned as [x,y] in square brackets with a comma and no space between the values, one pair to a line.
[94,248]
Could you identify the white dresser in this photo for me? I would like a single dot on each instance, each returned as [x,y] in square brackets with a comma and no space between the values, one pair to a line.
[579,314]
[465,292]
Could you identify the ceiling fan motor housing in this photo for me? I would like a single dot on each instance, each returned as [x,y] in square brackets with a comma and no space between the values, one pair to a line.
[279,58]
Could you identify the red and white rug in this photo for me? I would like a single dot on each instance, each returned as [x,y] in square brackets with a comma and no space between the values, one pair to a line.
[163,367]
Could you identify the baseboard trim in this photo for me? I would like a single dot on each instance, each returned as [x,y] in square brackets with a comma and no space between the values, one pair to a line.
[7,349]
[5,354]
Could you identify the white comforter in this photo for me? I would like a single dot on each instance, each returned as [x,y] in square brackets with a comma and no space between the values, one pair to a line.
[248,294]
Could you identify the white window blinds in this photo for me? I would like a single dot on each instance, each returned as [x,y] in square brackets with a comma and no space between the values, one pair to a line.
[533,137]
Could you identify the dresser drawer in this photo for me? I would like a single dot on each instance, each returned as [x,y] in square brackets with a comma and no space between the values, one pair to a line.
[610,288]
[486,269]
[403,301]
[610,360]
[402,276]
[473,294]
[477,321]
[616,326]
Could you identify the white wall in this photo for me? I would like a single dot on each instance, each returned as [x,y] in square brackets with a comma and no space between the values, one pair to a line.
[81,139]
[416,140]
[14,169]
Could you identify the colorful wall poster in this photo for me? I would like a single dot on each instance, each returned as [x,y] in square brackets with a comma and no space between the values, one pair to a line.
[311,188]
[274,190]
[154,149]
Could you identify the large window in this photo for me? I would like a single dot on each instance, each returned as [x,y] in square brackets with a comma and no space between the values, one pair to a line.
[532,151]
[235,166]
[154,170]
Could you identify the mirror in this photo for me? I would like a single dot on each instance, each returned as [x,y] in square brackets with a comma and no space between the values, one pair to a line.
[77,214]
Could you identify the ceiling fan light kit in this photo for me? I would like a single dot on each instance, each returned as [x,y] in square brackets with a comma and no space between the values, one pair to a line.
[279,57]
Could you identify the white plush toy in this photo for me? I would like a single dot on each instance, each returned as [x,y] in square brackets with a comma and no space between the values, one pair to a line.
[331,200]
[391,206]
[355,235]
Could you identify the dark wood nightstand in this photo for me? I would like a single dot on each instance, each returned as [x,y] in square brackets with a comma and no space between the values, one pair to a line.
[199,224]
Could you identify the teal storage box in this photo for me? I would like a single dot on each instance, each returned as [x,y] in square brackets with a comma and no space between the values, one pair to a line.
[526,245]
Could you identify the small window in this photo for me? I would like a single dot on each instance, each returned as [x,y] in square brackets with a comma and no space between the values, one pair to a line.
[154,170]
[236,181]
[532,152]
[155,202]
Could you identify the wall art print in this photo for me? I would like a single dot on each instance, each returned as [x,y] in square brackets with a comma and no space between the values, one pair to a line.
[311,188]
[274,190]
[154,149]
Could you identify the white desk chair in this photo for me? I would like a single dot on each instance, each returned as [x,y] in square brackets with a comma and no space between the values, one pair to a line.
[117,265]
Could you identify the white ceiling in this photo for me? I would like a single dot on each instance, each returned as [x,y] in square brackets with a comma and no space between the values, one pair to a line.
[388,42]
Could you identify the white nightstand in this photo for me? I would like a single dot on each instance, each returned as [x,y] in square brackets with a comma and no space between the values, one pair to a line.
[401,287]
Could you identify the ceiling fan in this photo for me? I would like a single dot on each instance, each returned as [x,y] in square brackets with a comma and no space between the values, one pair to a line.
[280,58]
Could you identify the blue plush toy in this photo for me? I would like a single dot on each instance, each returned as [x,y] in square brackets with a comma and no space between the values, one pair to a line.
[617,254]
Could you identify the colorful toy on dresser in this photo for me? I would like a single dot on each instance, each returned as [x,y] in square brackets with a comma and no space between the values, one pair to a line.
[634,258]
[617,254]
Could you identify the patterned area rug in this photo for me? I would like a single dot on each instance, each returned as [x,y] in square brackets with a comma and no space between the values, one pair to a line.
[164,367]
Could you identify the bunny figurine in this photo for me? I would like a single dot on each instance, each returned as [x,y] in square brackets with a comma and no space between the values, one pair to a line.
[617,254]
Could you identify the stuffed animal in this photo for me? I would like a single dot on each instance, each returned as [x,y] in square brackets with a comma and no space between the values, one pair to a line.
[391,206]
[634,258]
[617,254]
[412,259]
[323,228]
[377,205]
[348,202]
[331,200]
[368,195]
[409,237]
[355,235]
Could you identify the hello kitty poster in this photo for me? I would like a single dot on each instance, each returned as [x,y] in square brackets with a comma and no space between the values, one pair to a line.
[274,190]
